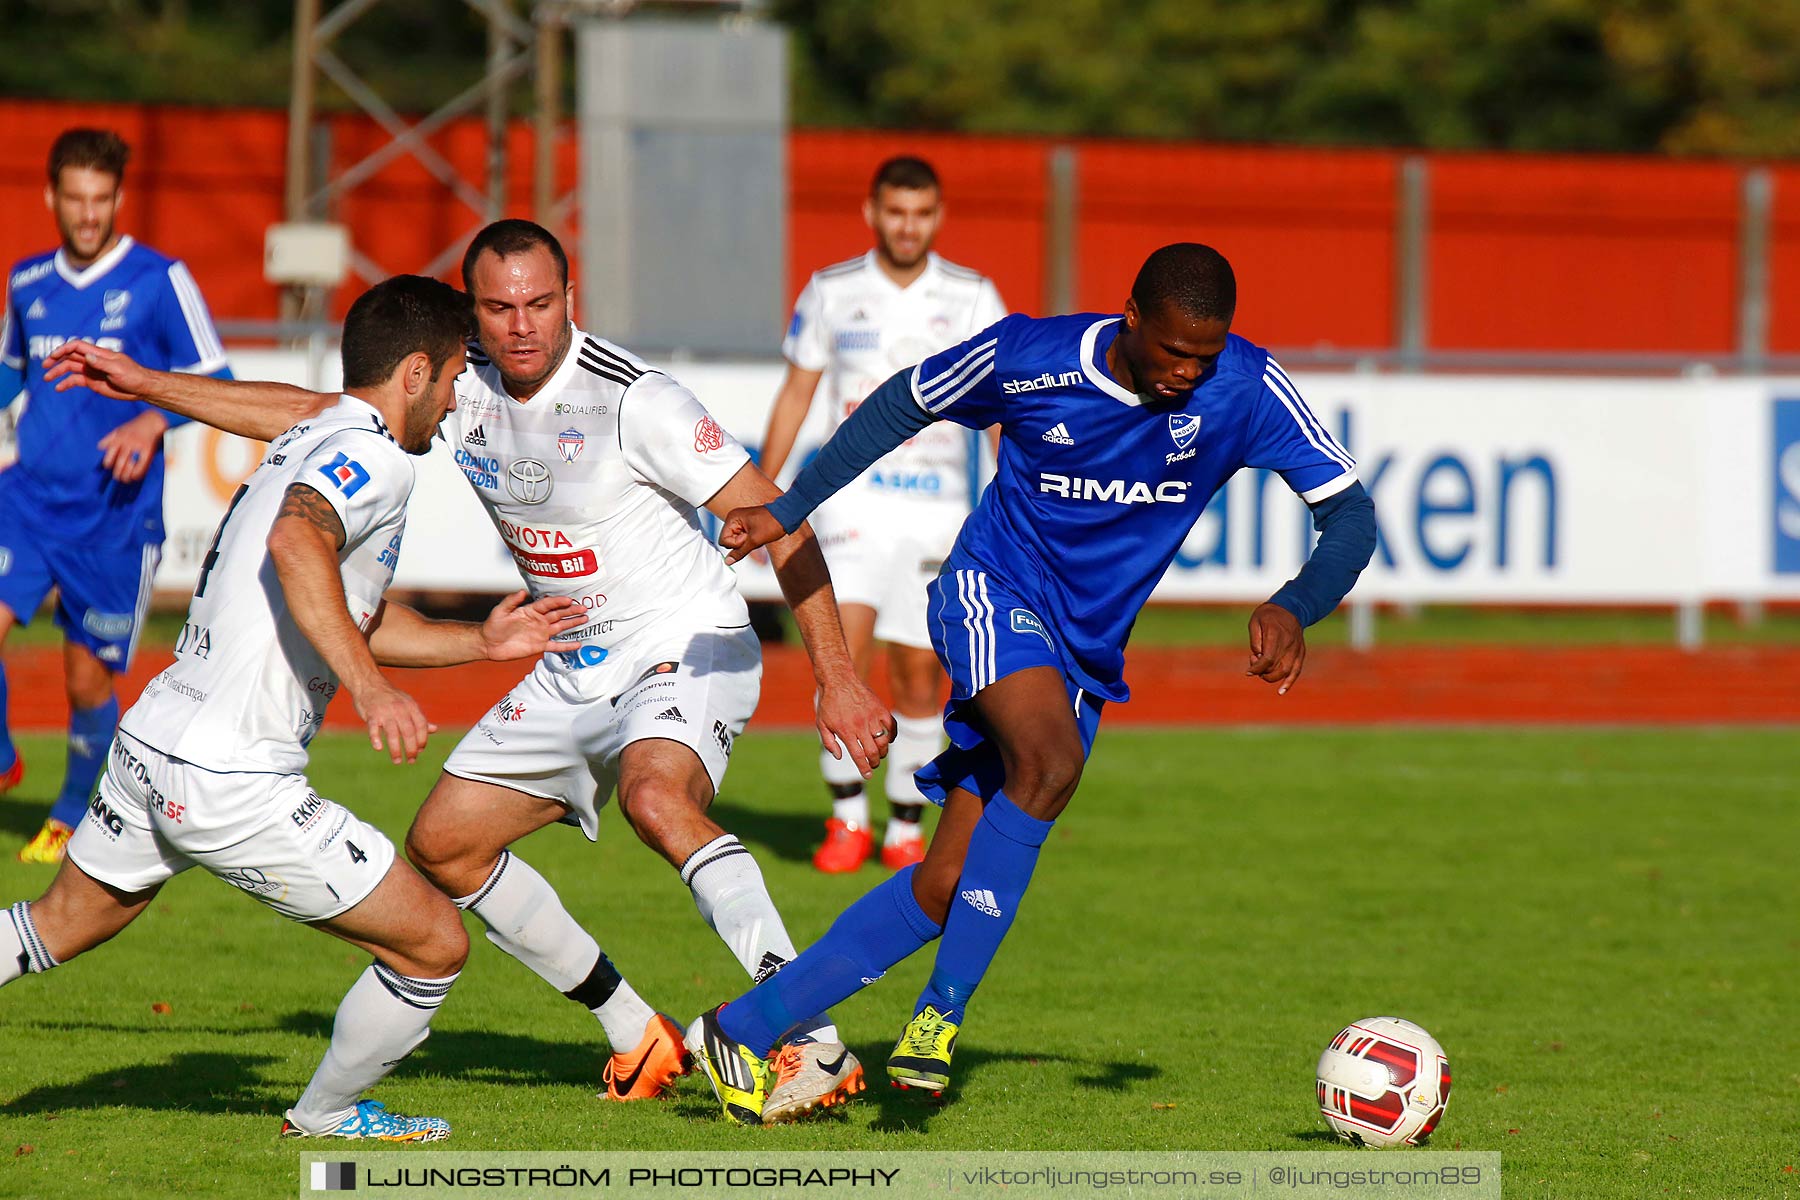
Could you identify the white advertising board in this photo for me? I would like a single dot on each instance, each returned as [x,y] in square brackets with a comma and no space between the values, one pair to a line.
[1487,489]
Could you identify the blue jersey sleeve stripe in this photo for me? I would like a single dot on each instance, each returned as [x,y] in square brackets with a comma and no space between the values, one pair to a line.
[975,372]
[199,321]
[928,387]
[1324,444]
[1337,449]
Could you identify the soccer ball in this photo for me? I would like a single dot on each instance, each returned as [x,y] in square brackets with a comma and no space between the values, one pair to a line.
[1383,1082]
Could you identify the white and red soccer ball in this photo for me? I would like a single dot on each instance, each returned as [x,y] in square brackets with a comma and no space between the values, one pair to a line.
[1383,1082]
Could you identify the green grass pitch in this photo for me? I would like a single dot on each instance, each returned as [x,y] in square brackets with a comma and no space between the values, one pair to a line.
[1600,927]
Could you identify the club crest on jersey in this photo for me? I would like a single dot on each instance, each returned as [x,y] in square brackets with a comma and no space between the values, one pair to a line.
[345,473]
[1183,427]
[529,481]
[708,436]
[569,443]
[114,303]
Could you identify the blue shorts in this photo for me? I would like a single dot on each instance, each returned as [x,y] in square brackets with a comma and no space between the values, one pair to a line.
[982,633]
[102,592]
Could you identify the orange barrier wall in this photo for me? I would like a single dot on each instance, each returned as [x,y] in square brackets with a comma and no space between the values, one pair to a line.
[1524,252]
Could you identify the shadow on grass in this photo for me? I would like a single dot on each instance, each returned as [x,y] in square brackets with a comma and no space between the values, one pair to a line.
[201,1082]
[910,1110]
[22,815]
[1118,1076]
[476,1055]
[789,836]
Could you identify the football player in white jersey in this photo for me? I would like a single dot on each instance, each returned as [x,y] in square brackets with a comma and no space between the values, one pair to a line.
[207,767]
[885,535]
[592,466]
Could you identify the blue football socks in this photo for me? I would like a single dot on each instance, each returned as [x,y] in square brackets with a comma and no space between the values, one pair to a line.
[1003,851]
[870,936]
[90,736]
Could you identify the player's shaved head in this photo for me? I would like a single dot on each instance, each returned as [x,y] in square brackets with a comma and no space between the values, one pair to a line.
[509,237]
[1194,280]
[96,149]
[400,317]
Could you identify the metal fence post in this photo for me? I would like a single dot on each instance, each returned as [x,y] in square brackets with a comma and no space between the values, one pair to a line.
[1412,227]
[1756,200]
[1060,213]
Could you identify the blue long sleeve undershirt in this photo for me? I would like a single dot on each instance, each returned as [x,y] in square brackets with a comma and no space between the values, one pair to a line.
[1346,525]
[883,421]
[1346,521]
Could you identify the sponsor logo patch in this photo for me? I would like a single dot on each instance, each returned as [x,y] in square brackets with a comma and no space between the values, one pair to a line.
[1026,621]
[569,443]
[708,436]
[345,474]
[529,481]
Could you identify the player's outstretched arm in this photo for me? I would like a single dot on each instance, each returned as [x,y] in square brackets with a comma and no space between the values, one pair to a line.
[850,717]
[403,637]
[249,408]
[789,413]
[304,541]
[1346,525]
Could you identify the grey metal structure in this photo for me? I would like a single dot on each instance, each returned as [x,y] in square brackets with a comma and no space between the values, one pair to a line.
[683,182]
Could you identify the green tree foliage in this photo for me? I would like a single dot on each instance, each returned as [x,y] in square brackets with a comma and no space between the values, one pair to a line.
[1680,76]
[1684,76]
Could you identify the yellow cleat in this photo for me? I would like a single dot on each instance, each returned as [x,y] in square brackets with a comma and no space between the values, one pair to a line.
[921,1057]
[739,1078]
[49,846]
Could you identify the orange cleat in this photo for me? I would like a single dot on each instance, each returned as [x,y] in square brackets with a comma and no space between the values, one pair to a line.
[896,856]
[845,850]
[650,1071]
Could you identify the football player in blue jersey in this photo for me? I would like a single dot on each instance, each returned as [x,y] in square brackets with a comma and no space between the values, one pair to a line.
[1117,429]
[81,509]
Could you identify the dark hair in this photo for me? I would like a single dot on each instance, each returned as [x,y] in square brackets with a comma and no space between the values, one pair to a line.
[1195,279]
[100,149]
[512,236]
[903,171]
[402,316]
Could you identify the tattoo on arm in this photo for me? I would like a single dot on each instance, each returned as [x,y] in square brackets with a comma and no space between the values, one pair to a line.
[304,501]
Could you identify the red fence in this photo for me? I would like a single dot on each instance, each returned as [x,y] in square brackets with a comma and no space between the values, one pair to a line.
[1522,252]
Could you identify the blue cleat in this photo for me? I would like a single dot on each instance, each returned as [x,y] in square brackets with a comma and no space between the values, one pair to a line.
[373,1121]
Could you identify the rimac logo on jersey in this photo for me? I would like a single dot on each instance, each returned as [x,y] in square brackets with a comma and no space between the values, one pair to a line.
[569,443]
[345,473]
[1116,491]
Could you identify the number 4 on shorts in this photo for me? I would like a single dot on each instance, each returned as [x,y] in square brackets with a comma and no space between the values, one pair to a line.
[356,856]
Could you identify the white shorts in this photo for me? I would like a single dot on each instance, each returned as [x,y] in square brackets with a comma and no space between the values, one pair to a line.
[884,555]
[264,833]
[560,732]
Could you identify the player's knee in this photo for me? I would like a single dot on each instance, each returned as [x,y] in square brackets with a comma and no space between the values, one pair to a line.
[443,950]
[656,811]
[87,689]
[1042,782]
[447,861]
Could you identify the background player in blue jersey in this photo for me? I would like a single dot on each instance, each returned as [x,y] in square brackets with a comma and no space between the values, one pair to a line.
[81,509]
[1116,432]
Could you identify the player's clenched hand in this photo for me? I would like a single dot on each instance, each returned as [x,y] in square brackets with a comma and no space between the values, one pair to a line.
[746,529]
[396,722]
[109,372]
[853,719]
[1277,646]
[519,630]
[129,450]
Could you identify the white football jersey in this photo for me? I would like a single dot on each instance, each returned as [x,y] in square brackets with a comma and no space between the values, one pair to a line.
[594,484]
[856,325]
[247,691]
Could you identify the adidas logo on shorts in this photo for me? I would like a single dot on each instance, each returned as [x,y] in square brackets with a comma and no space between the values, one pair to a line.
[671,714]
[983,901]
[1059,435]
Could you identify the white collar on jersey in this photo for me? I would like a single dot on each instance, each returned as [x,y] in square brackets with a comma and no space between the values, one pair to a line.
[873,266]
[95,269]
[1096,372]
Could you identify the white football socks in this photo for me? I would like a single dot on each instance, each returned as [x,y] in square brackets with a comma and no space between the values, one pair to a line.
[841,775]
[729,892]
[525,917]
[22,951]
[917,741]
[383,1018]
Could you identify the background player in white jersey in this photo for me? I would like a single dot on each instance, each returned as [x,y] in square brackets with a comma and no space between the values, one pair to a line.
[81,510]
[591,466]
[885,535]
[207,767]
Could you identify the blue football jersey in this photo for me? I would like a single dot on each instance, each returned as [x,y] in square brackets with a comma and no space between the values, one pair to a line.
[1097,488]
[131,299]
